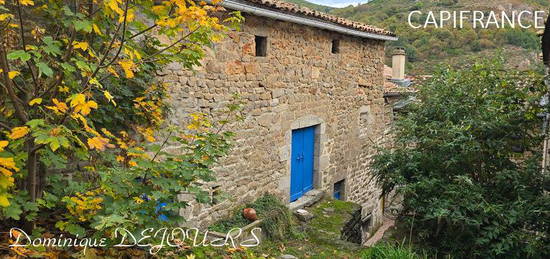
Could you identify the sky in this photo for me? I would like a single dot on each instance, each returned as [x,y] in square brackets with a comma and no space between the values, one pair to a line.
[337,3]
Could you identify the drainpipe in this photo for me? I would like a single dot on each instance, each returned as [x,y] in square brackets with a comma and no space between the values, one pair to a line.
[277,15]
[546,126]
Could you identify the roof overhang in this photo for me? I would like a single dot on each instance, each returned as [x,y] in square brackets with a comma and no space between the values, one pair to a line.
[264,12]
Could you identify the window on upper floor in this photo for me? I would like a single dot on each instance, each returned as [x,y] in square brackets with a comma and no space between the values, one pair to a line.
[261,46]
[335,46]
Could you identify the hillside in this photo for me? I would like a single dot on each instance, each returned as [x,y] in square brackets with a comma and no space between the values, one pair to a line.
[428,47]
[321,8]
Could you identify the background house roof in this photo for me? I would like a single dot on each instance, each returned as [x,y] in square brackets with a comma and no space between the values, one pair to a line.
[295,10]
[392,87]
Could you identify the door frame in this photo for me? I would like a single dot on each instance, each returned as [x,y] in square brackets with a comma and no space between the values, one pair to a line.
[320,157]
[301,172]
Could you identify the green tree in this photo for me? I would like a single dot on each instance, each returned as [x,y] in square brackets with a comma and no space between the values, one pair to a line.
[522,38]
[466,162]
[79,97]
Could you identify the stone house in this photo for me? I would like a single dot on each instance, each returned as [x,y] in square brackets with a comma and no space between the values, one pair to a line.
[314,114]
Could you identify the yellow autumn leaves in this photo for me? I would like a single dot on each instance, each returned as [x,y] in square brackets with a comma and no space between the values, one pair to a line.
[58,107]
[7,167]
[150,108]
[23,2]
[5,16]
[65,120]
[128,66]
[7,164]
[35,101]
[84,206]
[3,144]
[80,107]
[81,45]
[11,74]
[114,7]
[26,2]
[78,103]
[174,13]
[18,132]
[199,122]
[98,143]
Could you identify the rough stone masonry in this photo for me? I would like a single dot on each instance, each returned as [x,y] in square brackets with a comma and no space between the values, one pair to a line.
[299,83]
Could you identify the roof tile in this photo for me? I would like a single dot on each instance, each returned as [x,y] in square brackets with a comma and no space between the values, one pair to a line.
[295,9]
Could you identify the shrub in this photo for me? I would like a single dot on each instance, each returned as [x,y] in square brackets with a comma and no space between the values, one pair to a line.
[467,163]
[275,216]
[476,46]
[522,38]
[486,44]
[390,251]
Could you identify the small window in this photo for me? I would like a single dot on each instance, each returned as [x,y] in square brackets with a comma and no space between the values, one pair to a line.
[335,46]
[216,194]
[261,46]
[339,190]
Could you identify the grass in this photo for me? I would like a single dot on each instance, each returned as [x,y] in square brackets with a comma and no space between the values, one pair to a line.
[276,218]
[332,221]
[317,239]
[320,237]
[391,251]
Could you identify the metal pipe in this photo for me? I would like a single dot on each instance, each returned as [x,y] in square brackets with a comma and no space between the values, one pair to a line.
[247,8]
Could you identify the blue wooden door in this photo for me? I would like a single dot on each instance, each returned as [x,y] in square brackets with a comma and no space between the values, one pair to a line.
[301,165]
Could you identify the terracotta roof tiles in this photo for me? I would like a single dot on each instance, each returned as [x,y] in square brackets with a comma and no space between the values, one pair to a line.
[304,11]
[393,88]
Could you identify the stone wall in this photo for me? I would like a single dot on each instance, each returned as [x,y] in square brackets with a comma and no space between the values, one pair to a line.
[299,83]
[352,231]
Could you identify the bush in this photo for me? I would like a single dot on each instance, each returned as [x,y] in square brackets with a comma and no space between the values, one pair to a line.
[522,38]
[486,44]
[476,46]
[276,218]
[390,251]
[467,163]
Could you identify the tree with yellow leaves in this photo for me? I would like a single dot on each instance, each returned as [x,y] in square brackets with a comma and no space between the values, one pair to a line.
[76,80]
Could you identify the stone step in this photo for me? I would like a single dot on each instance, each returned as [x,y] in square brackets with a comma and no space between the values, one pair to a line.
[379,234]
[309,199]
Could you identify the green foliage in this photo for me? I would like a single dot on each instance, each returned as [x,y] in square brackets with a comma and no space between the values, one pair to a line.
[522,38]
[333,222]
[390,251]
[81,113]
[145,195]
[467,163]
[543,3]
[318,238]
[210,252]
[275,216]
[428,47]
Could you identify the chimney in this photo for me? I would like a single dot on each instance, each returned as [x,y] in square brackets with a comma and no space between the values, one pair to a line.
[398,64]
